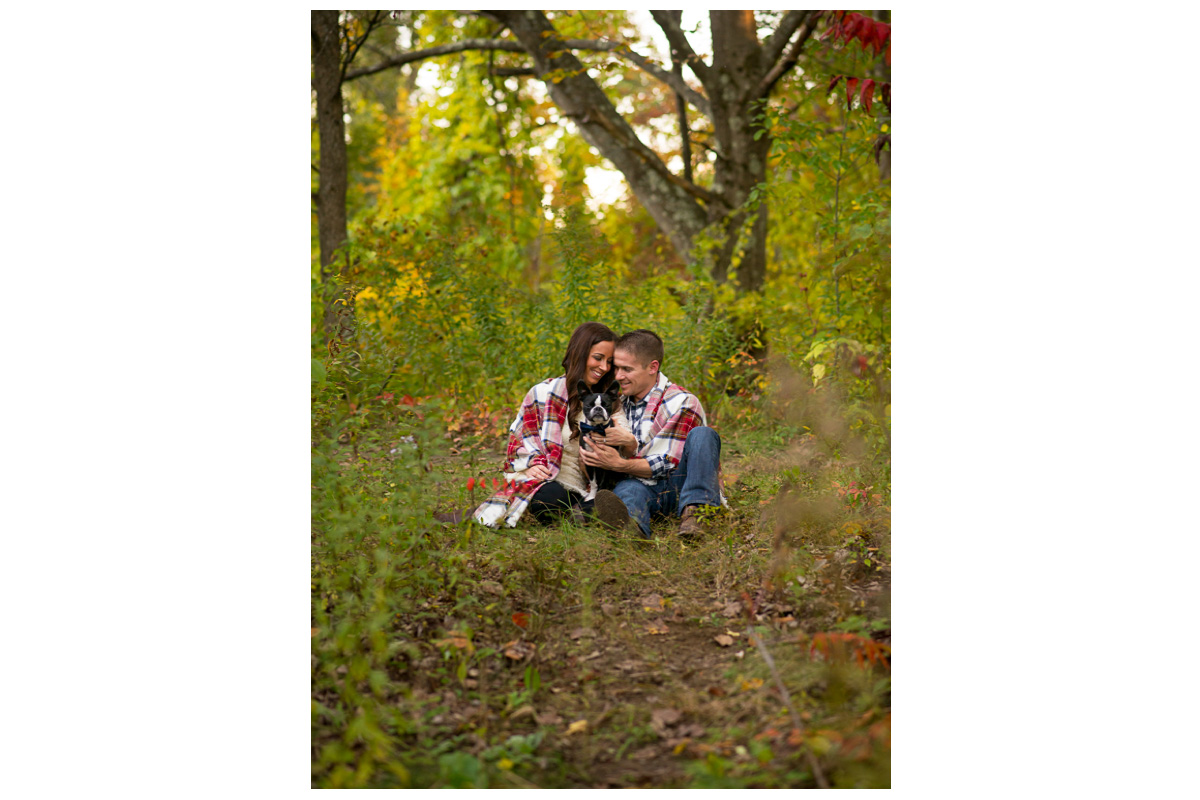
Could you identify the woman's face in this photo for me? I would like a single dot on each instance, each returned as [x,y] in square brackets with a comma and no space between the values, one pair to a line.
[599,362]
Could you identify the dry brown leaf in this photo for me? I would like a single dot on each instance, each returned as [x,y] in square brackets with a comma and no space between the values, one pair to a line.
[662,718]
[579,633]
[548,718]
[657,628]
[524,711]
[608,608]
[723,640]
[652,602]
[517,649]
[732,609]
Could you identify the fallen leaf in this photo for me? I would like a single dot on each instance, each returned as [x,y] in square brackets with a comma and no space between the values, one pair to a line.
[523,711]
[457,641]
[657,628]
[608,608]
[652,602]
[491,587]
[314,632]
[578,726]
[531,540]
[520,619]
[752,684]
[662,718]
[579,633]
[517,649]
[548,718]
[734,634]
[732,609]
[723,640]
[693,731]
[645,754]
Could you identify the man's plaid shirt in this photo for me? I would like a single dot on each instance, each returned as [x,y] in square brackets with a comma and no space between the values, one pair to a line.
[660,422]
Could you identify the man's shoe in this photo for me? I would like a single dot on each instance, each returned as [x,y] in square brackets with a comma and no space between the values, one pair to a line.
[611,511]
[689,524]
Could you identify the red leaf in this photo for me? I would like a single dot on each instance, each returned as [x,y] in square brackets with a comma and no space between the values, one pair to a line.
[851,85]
[888,57]
[470,484]
[407,400]
[520,619]
[495,483]
[883,35]
[887,90]
[868,89]
[833,83]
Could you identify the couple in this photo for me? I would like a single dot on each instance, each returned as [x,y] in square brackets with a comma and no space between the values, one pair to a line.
[668,465]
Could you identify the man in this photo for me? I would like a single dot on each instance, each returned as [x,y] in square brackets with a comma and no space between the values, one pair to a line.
[675,468]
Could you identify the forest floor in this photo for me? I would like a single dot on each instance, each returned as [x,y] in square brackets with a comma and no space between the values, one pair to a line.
[564,655]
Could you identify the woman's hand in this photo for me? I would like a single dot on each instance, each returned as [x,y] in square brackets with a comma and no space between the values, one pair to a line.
[538,473]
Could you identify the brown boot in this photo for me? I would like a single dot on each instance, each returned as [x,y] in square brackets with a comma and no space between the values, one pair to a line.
[689,524]
[611,511]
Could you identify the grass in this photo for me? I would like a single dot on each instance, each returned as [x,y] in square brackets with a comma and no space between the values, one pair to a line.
[563,656]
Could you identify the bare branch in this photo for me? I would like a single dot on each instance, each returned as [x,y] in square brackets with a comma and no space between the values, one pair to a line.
[440,50]
[372,23]
[504,72]
[790,55]
[676,82]
[818,775]
[681,46]
[773,46]
[599,45]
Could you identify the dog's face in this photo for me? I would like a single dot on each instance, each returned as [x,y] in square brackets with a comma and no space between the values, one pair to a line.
[598,407]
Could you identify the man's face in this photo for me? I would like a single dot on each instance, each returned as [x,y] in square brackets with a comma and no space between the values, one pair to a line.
[635,379]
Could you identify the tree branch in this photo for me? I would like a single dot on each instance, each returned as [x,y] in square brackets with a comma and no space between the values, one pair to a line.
[773,46]
[789,56]
[440,50]
[681,46]
[599,45]
[372,23]
[675,82]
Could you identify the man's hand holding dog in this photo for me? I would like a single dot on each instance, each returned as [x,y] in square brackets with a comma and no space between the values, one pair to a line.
[617,437]
[606,457]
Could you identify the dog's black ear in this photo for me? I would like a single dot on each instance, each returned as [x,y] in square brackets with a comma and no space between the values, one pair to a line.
[615,389]
[581,388]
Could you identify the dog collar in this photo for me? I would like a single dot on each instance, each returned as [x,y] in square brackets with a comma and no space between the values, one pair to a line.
[586,428]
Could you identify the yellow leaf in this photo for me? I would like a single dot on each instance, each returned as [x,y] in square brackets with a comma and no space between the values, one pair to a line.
[504,763]
[751,684]
[578,726]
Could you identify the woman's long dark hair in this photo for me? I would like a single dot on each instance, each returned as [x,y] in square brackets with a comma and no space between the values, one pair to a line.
[574,362]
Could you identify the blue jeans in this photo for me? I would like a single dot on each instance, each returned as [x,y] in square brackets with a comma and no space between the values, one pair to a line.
[692,482]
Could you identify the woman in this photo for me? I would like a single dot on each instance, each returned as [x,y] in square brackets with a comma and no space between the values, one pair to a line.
[543,473]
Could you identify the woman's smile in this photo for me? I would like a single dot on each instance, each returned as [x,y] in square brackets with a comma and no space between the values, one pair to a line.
[599,362]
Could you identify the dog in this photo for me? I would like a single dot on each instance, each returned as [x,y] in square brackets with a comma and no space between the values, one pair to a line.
[601,411]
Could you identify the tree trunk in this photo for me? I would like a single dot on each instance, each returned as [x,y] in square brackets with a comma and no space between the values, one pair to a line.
[331,192]
[676,210]
[741,159]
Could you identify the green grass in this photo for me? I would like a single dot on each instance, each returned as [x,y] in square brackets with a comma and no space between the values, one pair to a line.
[423,678]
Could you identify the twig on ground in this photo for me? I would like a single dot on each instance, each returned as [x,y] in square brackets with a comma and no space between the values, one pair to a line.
[787,699]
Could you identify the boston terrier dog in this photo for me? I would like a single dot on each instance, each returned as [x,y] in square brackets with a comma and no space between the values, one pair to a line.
[598,410]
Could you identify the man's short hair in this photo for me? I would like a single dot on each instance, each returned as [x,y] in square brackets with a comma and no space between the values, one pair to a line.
[643,344]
